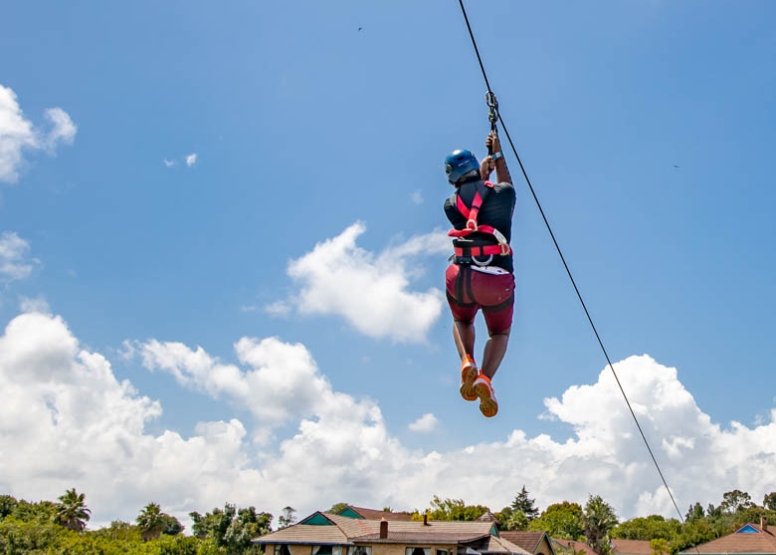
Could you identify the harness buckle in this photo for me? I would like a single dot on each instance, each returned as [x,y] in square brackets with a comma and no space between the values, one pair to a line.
[471,225]
[505,250]
[485,263]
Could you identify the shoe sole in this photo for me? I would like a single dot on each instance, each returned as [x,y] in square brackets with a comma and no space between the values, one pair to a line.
[467,387]
[488,405]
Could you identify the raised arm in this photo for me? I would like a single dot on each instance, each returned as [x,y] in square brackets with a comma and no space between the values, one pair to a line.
[495,161]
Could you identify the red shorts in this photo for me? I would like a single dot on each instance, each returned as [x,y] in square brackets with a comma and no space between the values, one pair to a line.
[469,290]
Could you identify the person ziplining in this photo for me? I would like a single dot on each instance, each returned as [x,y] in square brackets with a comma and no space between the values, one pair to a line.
[481,273]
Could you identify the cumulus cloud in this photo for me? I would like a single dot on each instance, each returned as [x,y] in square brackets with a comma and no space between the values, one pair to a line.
[191,159]
[416,197]
[371,292]
[17,134]
[169,163]
[425,424]
[65,421]
[15,262]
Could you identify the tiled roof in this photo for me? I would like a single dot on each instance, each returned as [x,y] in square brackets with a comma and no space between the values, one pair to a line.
[527,540]
[422,537]
[372,514]
[763,541]
[345,530]
[306,533]
[632,547]
[487,516]
[501,545]
[578,546]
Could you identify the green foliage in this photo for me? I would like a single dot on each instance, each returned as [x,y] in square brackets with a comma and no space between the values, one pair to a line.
[7,505]
[647,528]
[694,513]
[337,508]
[288,518]
[769,501]
[71,511]
[231,529]
[516,521]
[735,501]
[455,509]
[43,511]
[151,521]
[524,504]
[560,520]
[660,546]
[598,520]
[19,537]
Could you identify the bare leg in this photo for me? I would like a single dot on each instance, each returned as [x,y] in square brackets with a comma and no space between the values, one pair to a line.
[495,349]
[463,334]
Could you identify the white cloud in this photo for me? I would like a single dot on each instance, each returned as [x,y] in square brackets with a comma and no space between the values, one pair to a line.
[371,292]
[18,134]
[425,424]
[278,308]
[15,262]
[169,163]
[416,197]
[66,421]
[63,129]
[191,159]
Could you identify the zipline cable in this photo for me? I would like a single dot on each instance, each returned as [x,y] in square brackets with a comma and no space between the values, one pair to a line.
[566,266]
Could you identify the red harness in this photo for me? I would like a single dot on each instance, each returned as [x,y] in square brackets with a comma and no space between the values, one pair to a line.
[471,213]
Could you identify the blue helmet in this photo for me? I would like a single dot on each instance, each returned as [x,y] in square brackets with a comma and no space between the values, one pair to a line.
[458,164]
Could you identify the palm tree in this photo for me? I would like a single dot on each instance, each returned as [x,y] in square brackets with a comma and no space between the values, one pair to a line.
[598,519]
[71,511]
[151,521]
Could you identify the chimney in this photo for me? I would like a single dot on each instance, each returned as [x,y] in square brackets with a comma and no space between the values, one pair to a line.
[764,523]
[425,518]
[383,529]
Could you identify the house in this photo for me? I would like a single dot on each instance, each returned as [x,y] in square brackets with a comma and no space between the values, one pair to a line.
[631,547]
[372,514]
[536,543]
[571,547]
[336,534]
[750,538]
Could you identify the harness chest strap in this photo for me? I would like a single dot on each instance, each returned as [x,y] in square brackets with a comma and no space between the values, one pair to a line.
[471,213]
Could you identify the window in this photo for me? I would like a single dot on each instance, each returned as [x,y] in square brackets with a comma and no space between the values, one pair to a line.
[360,550]
[327,550]
[282,549]
[418,551]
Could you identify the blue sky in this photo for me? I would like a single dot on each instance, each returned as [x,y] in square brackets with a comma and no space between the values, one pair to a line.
[646,129]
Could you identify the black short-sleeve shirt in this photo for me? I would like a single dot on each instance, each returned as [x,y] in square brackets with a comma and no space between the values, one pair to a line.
[496,211]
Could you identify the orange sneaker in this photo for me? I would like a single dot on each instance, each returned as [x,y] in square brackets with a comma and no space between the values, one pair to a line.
[487,395]
[468,375]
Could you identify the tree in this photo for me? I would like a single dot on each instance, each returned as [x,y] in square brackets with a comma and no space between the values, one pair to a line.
[172,526]
[7,505]
[516,521]
[713,512]
[769,501]
[735,501]
[660,546]
[694,513]
[151,521]
[560,520]
[455,509]
[649,528]
[232,529]
[287,518]
[598,519]
[71,511]
[526,505]
[337,508]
